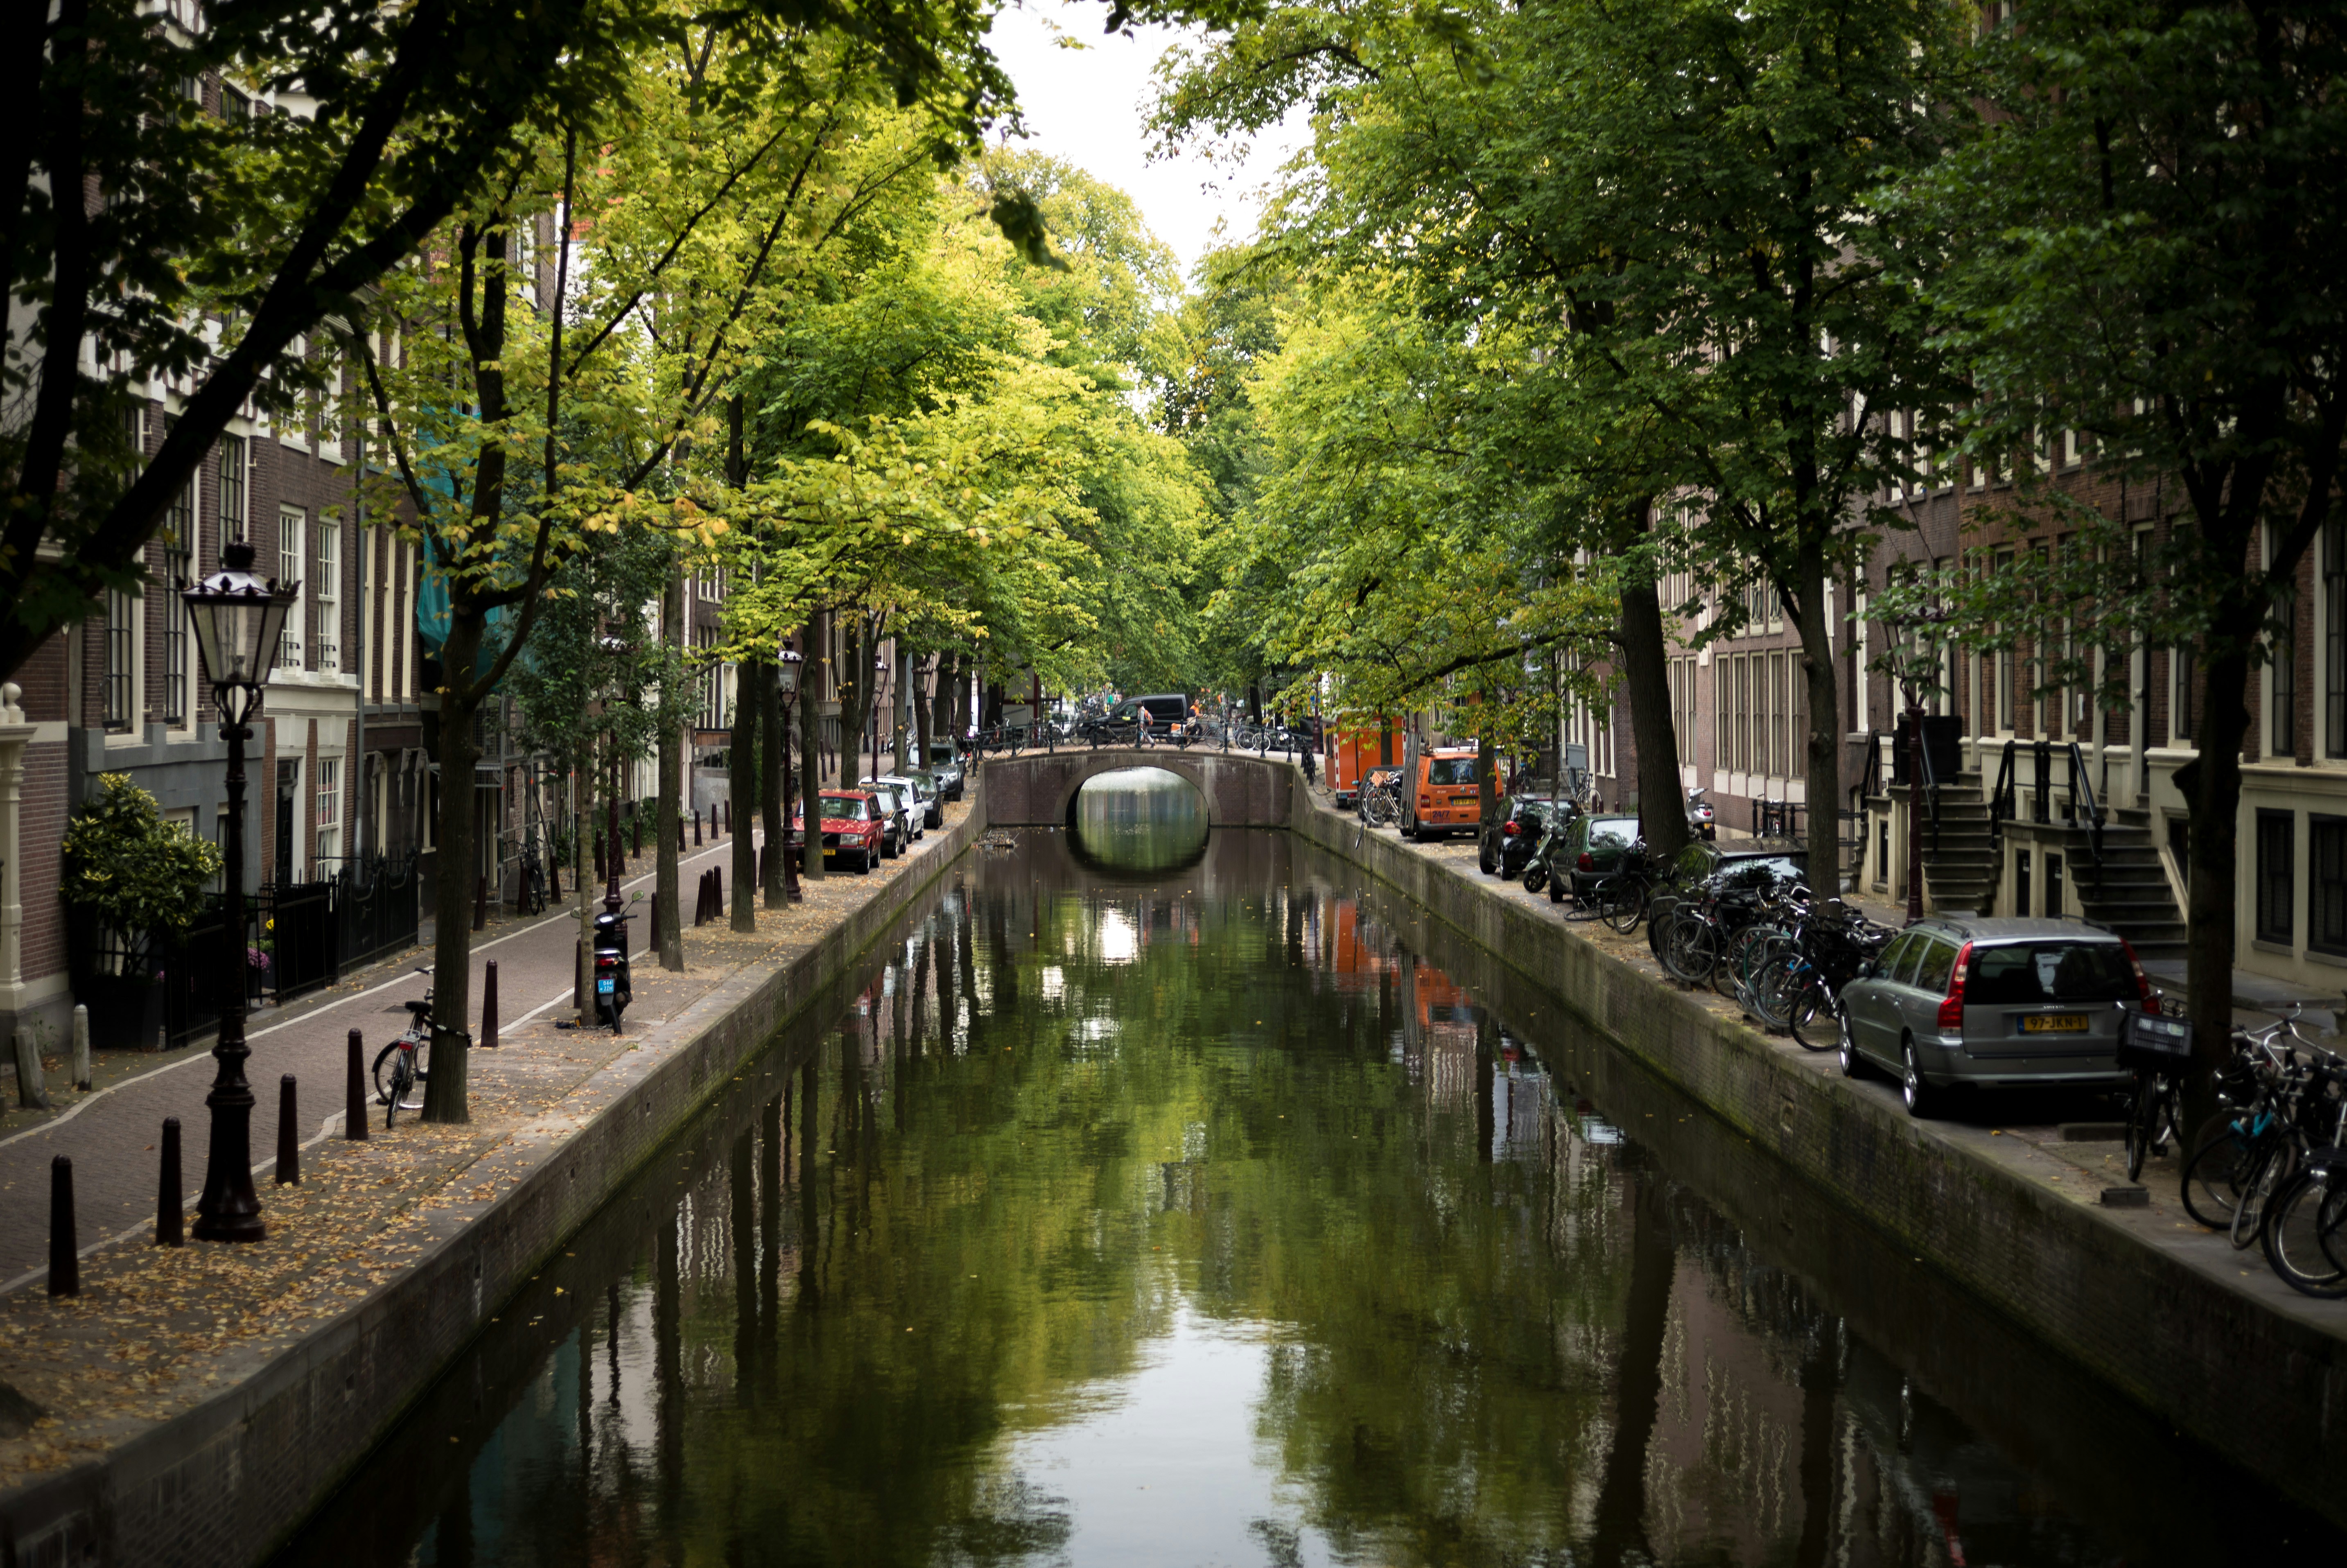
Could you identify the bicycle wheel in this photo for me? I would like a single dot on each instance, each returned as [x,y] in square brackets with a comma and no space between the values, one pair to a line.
[1771,987]
[2151,1121]
[1810,1018]
[1692,952]
[2275,1166]
[397,1088]
[2304,1237]
[2212,1176]
[1624,906]
[1728,974]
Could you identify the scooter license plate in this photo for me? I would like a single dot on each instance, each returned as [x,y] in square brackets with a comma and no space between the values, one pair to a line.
[605,985]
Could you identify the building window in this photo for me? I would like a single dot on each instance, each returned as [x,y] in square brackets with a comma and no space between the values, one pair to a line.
[2282,683]
[2277,863]
[2187,663]
[178,565]
[233,521]
[2335,640]
[121,660]
[330,813]
[292,524]
[325,571]
[2326,912]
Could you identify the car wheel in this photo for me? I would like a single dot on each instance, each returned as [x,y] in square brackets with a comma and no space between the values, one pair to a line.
[1483,862]
[1922,1100]
[1556,892]
[1852,1064]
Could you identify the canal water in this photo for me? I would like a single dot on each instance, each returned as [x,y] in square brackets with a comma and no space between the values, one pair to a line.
[1191,1203]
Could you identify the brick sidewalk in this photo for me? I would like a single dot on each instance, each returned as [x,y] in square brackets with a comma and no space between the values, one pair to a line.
[112,1133]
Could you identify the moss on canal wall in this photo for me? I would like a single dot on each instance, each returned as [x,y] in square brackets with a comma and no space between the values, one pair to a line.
[2252,1371]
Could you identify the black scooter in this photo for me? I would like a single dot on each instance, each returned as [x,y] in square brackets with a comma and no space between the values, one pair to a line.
[612,992]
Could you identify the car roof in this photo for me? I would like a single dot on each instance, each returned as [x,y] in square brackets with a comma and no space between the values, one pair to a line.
[2016,928]
[847,794]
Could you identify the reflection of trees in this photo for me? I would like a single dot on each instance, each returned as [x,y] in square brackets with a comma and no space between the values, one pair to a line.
[1497,1337]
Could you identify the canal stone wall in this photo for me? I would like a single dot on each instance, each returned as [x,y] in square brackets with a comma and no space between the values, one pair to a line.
[2218,1350]
[1037,789]
[229,1480]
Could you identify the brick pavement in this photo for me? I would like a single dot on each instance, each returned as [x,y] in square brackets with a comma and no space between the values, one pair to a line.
[111,1133]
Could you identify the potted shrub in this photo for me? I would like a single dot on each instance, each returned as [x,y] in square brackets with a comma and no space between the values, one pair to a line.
[134,884]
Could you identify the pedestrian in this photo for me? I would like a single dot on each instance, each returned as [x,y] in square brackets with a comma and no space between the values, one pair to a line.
[1144,727]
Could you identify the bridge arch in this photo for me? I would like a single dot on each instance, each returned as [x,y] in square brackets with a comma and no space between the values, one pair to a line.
[1037,789]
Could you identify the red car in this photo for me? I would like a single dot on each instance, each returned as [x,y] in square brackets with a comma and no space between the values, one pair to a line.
[853,823]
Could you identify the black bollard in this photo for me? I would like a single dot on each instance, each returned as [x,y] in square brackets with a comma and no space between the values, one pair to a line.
[354,1095]
[716,892]
[696,827]
[489,1006]
[652,931]
[169,1194]
[729,815]
[64,1259]
[288,1134]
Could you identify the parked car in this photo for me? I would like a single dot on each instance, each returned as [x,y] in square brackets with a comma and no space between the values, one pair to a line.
[1593,849]
[1121,725]
[933,800]
[945,760]
[897,808]
[918,799]
[1528,817]
[1443,799]
[1993,1003]
[852,827]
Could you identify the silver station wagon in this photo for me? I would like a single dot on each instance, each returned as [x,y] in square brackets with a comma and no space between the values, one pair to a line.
[1996,1003]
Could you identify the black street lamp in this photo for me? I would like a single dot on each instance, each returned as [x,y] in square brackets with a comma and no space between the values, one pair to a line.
[1913,641]
[236,618]
[787,676]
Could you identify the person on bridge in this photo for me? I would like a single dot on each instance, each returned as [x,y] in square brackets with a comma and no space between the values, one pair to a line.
[1145,726]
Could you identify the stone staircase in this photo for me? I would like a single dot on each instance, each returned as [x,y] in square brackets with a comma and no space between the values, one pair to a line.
[1961,874]
[2128,891]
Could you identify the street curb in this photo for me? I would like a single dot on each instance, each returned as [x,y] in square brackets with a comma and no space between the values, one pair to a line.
[229,1480]
[2258,1380]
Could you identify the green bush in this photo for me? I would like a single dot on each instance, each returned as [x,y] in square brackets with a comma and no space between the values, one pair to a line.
[137,872]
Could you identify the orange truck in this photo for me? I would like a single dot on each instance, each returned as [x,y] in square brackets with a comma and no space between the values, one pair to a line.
[1352,750]
[1439,795]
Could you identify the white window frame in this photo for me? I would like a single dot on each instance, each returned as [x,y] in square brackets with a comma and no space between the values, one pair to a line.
[292,527]
[125,631]
[328,811]
[326,564]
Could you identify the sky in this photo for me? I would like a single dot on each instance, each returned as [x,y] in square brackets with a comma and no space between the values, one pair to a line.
[1086,106]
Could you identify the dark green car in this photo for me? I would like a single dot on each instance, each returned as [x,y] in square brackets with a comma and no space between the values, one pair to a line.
[1593,847]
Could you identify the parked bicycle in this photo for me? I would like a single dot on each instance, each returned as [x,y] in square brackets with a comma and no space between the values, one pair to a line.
[401,1067]
[532,896]
[1382,799]
[2279,1090]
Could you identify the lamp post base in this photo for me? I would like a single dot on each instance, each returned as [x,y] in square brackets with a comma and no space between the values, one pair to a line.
[230,1210]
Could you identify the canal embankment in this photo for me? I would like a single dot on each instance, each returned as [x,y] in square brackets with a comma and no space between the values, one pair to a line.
[194,1405]
[2201,1337]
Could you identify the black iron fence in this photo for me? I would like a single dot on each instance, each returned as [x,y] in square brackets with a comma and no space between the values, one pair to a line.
[299,938]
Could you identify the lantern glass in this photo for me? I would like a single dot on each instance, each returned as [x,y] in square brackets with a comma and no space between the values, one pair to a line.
[787,672]
[236,618]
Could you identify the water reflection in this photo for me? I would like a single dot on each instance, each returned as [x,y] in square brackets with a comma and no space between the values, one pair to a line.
[1139,819]
[1206,1220]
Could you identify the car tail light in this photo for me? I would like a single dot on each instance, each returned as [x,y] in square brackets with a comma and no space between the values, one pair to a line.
[1508,830]
[1586,863]
[1952,1008]
[2142,981]
[1424,802]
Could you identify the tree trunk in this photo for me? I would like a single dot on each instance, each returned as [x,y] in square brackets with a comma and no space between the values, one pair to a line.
[854,699]
[777,741]
[1646,682]
[811,756]
[2210,928]
[454,878]
[589,893]
[1487,799]
[670,812]
[741,783]
[1824,776]
[921,714]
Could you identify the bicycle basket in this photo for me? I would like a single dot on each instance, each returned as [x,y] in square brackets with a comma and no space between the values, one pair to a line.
[2154,1041]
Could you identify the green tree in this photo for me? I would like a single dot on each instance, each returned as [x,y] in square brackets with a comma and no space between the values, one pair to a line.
[2142,244]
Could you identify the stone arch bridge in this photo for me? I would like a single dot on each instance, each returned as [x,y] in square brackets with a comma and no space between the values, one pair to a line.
[1037,789]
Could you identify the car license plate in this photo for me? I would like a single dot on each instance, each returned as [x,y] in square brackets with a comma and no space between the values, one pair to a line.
[2055,1023]
[605,985]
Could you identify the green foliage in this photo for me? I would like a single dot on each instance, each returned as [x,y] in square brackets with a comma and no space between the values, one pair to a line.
[136,872]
